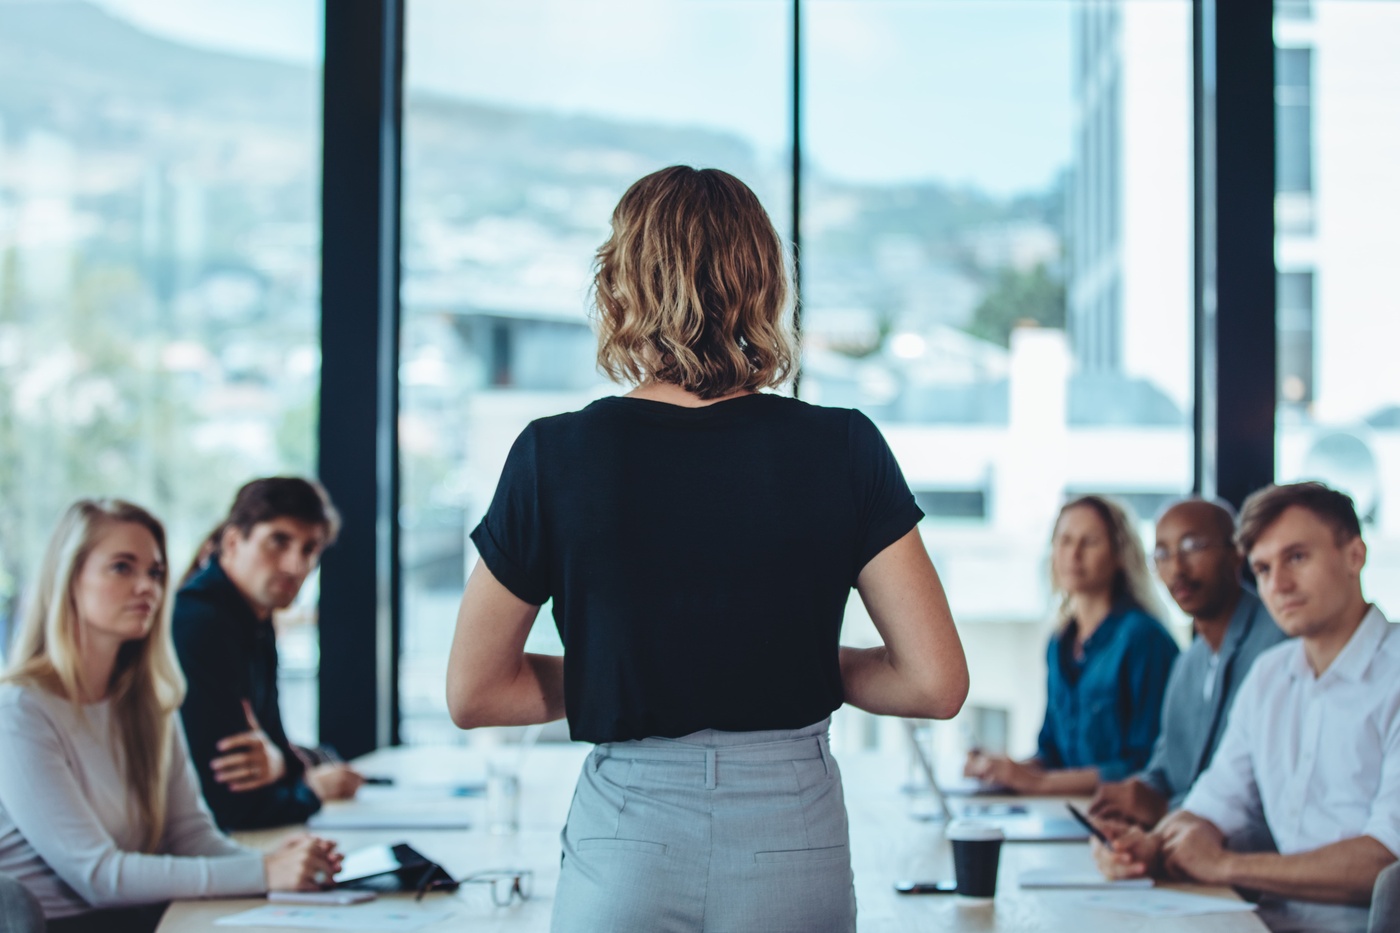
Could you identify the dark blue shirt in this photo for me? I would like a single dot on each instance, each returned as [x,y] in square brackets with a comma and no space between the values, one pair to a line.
[229,655]
[699,559]
[1105,710]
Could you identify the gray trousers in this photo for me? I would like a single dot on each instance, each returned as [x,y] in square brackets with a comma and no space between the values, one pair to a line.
[715,832]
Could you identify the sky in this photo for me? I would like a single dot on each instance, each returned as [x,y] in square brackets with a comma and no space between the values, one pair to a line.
[962,91]
[286,30]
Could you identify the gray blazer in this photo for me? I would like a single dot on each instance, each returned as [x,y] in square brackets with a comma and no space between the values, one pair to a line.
[1191,724]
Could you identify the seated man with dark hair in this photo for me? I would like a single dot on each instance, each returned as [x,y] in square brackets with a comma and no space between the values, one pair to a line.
[252,564]
[1196,559]
[1313,740]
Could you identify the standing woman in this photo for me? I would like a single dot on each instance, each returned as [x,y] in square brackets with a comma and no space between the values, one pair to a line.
[100,813]
[699,540]
[1108,660]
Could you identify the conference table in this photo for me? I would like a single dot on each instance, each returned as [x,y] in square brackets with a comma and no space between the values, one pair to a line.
[887,843]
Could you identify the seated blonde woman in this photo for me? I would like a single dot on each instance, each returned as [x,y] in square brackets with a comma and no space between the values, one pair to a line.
[1108,662]
[100,812]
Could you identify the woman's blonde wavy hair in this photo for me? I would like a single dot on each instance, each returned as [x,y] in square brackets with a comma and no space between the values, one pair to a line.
[1132,582]
[147,686]
[691,288]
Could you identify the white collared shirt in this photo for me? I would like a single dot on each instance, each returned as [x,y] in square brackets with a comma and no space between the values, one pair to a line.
[1321,755]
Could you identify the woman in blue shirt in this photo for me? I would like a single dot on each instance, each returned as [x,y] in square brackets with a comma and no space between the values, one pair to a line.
[1108,661]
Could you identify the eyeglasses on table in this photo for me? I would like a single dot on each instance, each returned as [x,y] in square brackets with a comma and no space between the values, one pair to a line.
[508,885]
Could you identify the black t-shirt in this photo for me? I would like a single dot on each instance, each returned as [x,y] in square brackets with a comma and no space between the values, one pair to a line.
[699,559]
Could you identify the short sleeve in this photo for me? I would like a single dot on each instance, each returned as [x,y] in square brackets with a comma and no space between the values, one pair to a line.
[885,507]
[511,538]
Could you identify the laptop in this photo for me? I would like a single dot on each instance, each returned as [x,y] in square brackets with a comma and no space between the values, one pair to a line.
[1018,822]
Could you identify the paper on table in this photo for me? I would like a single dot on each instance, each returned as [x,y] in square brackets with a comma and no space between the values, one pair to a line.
[1157,903]
[390,916]
[401,793]
[387,820]
[1069,878]
[395,813]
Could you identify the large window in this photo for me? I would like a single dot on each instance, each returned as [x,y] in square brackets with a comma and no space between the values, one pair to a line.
[1338,105]
[996,232]
[997,236]
[525,120]
[159,244]
[997,245]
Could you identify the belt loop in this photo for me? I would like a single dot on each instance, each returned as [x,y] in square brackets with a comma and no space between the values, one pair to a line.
[598,756]
[825,752]
[710,769]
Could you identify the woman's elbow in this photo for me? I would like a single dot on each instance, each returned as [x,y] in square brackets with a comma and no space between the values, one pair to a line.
[99,886]
[941,695]
[948,699]
[468,705]
[464,717]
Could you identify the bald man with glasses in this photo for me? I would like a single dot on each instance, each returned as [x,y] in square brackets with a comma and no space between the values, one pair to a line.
[1197,560]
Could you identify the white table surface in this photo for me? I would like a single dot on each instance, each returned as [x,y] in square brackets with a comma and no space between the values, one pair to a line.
[886,844]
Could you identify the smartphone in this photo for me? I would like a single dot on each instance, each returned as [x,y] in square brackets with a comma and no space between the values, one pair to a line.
[926,887]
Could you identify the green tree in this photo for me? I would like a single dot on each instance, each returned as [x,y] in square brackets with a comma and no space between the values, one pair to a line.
[100,415]
[1018,296]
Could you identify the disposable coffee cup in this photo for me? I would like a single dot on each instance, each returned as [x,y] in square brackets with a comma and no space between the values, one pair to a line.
[976,853]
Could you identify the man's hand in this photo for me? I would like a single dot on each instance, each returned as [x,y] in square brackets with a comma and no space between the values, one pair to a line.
[1130,801]
[1133,853]
[1195,851]
[249,760]
[334,781]
[1002,771]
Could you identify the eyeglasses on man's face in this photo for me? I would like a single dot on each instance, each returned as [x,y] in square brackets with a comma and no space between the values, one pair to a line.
[1188,548]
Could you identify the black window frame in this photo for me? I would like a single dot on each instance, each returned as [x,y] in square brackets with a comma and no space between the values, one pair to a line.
[1234,353]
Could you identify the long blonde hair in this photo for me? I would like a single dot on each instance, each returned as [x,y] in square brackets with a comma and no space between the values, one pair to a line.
[691,288]
[1132,580]
[147,686]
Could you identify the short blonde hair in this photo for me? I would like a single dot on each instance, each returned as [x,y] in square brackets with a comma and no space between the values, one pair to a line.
[691,288]
[147,686]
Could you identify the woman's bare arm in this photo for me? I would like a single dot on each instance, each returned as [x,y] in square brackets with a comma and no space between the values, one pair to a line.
[491,680]
[920,670]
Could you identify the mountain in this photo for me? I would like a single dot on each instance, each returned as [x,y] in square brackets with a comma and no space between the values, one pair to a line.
[73,67]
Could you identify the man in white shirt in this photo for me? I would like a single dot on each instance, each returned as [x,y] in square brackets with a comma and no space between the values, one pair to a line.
[1313,741]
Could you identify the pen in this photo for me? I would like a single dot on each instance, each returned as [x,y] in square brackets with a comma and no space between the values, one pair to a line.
[1098,834]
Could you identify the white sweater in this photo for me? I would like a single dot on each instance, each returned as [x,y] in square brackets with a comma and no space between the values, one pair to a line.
[69,830]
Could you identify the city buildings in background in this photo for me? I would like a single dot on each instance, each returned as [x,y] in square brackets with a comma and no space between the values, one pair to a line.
[1337,99]
[159,266]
